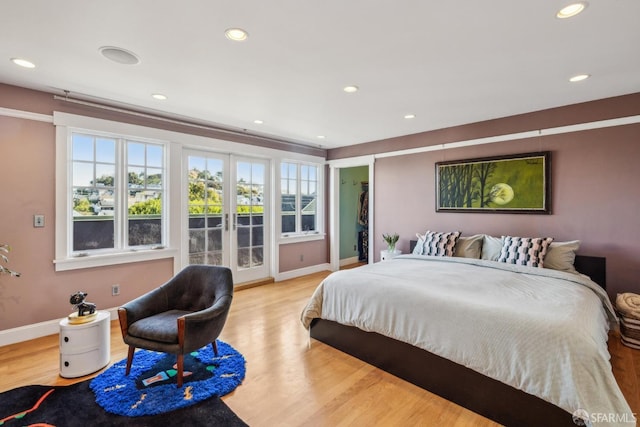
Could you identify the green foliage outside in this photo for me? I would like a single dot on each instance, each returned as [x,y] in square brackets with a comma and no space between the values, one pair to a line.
[202,198]
[105,180]
[148,207]
[207,199]
[83,206]
[250,209]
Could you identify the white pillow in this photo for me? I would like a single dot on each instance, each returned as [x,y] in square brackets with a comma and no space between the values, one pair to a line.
[419,247]
[529,251]
[491,247]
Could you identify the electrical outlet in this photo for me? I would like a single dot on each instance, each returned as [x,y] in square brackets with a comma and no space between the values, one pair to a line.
[115,290]
[38,220]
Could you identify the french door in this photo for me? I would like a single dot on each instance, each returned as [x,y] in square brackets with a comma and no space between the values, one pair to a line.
[228,213]
[250,216]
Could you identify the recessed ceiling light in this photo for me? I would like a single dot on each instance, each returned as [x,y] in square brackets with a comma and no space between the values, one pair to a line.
[571,10]
[410,116]
[258,122]
[159,96]
[119,55]
[351,89]
[236,34]
[23,62]
[321,137]
[579,78]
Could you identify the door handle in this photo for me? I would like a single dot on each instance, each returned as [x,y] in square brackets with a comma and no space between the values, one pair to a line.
[226,222]
[234,221]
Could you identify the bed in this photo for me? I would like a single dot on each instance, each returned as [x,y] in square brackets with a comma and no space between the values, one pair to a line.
[519,345]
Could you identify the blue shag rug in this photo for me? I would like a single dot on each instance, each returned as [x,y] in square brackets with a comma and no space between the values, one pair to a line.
[151,389]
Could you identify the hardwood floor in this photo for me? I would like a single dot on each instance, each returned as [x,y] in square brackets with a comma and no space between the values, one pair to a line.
[293,382]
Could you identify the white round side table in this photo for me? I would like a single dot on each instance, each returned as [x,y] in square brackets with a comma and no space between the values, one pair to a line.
[85,347]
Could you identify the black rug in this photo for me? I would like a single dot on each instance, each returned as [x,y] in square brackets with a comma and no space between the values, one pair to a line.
[74,405]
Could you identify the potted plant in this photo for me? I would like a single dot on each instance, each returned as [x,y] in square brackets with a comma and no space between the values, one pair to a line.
[391,240]
[4,249]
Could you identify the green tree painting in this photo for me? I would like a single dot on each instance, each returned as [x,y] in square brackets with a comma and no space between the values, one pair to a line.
[517,183]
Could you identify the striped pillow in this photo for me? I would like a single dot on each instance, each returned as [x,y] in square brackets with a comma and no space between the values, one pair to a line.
[438,244]
[529,251]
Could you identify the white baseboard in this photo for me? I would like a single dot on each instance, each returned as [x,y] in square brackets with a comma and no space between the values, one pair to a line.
[292,274]
[349,261]
[50,327]
[37,330]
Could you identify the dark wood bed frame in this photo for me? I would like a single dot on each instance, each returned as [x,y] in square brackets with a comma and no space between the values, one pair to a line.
[452,381]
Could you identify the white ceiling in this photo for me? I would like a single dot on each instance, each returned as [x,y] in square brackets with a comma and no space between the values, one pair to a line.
[447,62]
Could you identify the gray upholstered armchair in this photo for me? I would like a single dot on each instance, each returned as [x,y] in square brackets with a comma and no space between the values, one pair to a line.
[181,316]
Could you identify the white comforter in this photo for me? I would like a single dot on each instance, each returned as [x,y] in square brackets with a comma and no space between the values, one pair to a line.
[539,330]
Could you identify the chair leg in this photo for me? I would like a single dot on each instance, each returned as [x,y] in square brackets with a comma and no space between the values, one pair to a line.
[180,369]
[215,347]
[132,349]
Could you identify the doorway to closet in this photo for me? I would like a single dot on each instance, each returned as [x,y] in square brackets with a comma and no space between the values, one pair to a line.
[354,215]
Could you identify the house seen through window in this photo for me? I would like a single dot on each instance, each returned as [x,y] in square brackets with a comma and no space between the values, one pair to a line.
[299,198]
[117,193]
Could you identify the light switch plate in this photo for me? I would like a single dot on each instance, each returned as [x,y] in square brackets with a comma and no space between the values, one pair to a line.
[38,220]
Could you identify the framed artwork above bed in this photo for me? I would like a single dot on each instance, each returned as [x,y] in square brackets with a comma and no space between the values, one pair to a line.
[508,184]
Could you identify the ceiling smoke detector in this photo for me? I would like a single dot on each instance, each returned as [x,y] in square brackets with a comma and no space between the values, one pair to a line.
[119,55]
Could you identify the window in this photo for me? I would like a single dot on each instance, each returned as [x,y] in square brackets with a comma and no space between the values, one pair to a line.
[120,197]
[299,196]
[116,194]
[206,210]
[145,176]
[93,193]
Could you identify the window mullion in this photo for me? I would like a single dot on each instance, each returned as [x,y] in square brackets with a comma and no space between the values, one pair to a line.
[121,189]
[298,198]
[164,205]
[67,202]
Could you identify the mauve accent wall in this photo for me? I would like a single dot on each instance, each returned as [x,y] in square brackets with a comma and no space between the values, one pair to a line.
[295,256]
[27,153]
[27,187]
[595,179]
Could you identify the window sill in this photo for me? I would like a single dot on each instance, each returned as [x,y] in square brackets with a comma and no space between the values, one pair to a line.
[297,238]
[103,260]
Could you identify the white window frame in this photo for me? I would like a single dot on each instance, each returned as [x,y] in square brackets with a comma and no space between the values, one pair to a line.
[65,257]
[176,220]
[301,235]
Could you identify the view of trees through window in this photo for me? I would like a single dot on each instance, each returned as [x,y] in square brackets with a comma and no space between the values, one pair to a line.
[118,200]
[97,189]
[250,195]
[207,212]
[206,206]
